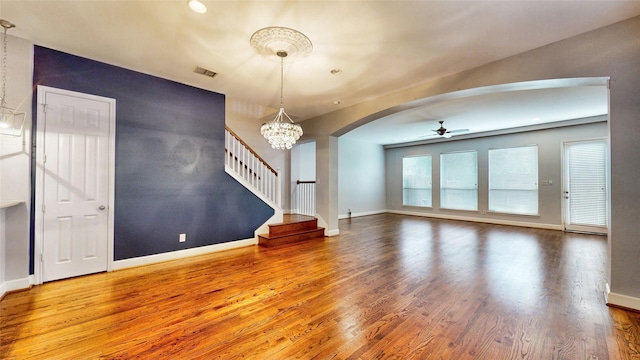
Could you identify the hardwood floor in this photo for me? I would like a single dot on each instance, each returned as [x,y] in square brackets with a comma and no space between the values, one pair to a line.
[389,287]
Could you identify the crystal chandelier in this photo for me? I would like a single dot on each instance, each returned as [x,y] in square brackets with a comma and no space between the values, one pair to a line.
[11,121]
[281,132]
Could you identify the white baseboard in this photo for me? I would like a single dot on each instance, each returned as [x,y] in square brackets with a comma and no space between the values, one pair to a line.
[14,285]
[323,224]
[480,220]
[366,213]
[179,254]
[335,232]
[628,302]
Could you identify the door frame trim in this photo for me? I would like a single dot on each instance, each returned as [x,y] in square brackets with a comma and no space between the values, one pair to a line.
[39,172]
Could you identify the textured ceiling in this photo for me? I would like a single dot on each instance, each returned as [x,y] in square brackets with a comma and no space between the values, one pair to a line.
[379,46]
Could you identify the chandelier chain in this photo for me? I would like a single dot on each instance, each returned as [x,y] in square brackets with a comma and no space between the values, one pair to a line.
[281,79]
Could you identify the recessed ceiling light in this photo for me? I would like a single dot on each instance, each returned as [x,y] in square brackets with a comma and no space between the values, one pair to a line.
[336,71]
[535,119]
[197,6]
[336,102]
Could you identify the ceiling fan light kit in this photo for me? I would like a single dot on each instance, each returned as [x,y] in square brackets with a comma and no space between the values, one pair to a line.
[281,132]
[443,132]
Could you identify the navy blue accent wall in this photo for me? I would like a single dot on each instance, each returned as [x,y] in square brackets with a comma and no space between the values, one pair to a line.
[170,176]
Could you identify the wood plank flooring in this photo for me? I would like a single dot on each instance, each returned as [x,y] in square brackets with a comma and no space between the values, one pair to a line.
[389,287]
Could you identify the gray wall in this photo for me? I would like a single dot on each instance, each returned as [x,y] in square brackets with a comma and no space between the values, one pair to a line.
[549,168]
[361,177]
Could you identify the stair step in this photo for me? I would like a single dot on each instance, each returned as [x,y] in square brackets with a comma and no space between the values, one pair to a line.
[270,240]
[293,227]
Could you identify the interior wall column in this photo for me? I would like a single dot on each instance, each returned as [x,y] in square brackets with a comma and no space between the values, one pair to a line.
[284,175]
[327,183]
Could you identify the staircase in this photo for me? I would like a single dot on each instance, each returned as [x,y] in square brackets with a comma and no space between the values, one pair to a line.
[249,169]
[294,228]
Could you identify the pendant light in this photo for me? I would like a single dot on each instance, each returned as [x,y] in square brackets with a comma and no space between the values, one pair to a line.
[281,132]
[11,121]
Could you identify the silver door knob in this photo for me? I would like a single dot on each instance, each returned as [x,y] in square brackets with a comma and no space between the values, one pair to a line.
[101,207]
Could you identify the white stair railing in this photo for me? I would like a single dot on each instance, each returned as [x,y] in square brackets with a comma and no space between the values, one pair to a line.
[306,197]
[243,163]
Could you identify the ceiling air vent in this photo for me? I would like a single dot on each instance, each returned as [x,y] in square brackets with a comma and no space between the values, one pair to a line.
[204,72]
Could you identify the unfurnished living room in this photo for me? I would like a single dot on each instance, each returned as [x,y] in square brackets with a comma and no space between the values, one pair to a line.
[190,179]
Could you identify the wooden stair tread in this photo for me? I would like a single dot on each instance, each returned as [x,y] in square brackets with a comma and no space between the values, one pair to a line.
[277,236]
[292,227]
[300,229]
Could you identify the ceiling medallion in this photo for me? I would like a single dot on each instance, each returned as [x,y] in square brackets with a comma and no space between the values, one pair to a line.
[268,41]
[281,43]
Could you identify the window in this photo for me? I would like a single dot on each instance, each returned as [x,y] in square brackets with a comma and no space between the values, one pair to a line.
[459,180]
[416,181]
[513,180]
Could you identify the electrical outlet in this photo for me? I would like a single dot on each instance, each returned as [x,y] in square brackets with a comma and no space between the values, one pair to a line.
[183,237]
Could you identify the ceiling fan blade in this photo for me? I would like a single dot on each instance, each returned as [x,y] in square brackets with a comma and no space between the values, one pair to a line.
[428,136]
[458,131]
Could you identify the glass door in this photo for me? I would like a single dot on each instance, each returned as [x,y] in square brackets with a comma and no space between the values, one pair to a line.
[585,186]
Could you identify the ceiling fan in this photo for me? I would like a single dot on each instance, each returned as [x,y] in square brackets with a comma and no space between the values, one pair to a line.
[443,132]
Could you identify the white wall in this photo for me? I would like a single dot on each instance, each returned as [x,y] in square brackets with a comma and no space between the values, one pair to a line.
[361,178]
[306,167]
[549,168]
[303,167]
[15,170]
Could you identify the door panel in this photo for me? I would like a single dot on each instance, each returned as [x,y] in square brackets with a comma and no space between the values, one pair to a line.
[585,186]
[75,185]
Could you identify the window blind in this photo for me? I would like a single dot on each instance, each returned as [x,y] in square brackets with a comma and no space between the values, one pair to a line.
[513,180]
[587,184]
[416,181]
[459,180]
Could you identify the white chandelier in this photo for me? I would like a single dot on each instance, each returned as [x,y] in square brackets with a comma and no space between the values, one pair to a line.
[281,132]
[11,121]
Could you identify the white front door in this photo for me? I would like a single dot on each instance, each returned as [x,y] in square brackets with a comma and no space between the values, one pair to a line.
[75,183]
[585,186]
